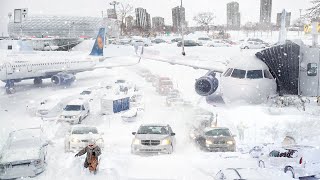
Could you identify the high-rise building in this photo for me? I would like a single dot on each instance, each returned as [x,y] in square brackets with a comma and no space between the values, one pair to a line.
[129,22]
[265,12]
[233,15]
[288,19]
[158,23]
[178,17]
[142,18]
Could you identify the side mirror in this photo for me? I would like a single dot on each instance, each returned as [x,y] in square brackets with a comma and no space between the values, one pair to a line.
[173,134]
[134,133]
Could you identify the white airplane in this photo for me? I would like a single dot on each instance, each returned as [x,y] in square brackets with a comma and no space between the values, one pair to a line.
[246,79]
[61,70]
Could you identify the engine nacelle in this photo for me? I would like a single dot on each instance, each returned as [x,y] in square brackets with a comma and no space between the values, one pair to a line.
[63,79]
[207,84]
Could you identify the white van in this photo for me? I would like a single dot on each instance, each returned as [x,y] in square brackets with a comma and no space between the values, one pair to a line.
[75,111]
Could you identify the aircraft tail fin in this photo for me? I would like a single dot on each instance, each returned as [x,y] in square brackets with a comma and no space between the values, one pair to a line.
[97,49]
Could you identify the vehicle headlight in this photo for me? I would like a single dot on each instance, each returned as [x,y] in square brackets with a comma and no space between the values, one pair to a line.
[136,141]
[208,142]
[230,142]
[62,116]
[74,117]
[75,140]
[166,142]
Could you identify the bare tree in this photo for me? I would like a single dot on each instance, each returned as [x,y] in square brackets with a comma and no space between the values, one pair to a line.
[204,19]
[314,11]
[124,9]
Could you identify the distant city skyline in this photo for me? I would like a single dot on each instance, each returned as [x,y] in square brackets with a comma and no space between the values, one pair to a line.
[249,9]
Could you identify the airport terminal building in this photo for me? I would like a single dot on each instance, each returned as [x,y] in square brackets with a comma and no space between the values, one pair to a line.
[63,26]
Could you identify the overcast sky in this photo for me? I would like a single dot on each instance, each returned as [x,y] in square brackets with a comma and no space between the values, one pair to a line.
[249,9]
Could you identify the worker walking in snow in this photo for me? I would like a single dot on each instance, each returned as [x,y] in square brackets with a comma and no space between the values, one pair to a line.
[93,151]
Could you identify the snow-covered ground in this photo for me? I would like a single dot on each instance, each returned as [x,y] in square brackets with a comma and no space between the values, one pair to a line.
[265,123]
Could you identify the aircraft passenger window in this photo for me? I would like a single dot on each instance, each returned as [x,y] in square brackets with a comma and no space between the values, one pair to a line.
[228,72]
[238,73]
[267,74]
[312,69]
[254,74]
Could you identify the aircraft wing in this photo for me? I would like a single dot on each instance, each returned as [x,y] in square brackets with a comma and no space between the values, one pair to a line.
[118,62]
[194,62]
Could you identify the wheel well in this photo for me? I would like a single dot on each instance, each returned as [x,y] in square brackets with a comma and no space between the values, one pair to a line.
[287,167]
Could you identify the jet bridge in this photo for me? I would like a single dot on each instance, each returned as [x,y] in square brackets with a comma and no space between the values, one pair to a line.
[295,67]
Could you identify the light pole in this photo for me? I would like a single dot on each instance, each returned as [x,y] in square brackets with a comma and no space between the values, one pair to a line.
[182,33]
[114,3]
[300,21]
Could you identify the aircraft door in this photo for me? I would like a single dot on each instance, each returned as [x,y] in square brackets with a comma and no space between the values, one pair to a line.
[9,70]
[309,72]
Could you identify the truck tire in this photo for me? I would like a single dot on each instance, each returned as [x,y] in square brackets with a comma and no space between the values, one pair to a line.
[261,164]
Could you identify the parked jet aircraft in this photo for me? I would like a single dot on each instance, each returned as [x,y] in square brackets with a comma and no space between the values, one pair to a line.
[61,70]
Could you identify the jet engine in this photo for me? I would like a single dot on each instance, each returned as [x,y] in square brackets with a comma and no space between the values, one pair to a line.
[63,79]
[207,84]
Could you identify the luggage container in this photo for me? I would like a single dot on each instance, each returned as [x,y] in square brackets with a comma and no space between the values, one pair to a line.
[114,104]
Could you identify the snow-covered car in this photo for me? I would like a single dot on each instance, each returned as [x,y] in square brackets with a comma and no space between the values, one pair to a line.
[92,93]
[144,72]
[297,161]
[141,42]
[75,111]
[217,43]
[252,45]
[24,154]
[215,139]
[151,77]
[249,173]
[124,41]
[158,41]
[79,136]
[130,115]
[174,101]
[49,107]
[153,138]
[124,85]
[163,85]
[176,40]
[188,43]
[203,40]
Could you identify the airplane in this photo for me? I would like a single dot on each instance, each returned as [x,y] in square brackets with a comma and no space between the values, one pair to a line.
[245,79]
[61,70]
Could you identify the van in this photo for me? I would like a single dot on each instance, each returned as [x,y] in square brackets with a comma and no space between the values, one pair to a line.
[75,111]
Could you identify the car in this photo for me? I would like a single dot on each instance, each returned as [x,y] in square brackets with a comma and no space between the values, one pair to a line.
[163,85]
[217,139]
[176,40]
[217,43]
[252,45]
[130,115]
[249,173]
[24,154]
[203,40]
[92,93]
[297,161]
[141,42]
[153,138]
[75,111]
[174,101]
[158,41]
[49,107]
[144,72]
[124,41]
[151,78]
[124,86]
[79,136]
[188,43]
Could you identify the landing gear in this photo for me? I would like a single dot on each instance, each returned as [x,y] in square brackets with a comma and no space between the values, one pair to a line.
[10,87]
[37,81]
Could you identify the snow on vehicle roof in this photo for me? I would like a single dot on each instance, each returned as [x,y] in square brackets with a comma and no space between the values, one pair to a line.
[76,102]
[154,124]
[26,134]
[213,128]
[20,154]
[80,126]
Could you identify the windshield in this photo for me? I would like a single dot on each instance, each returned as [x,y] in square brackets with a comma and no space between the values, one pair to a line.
[85,92]
[218,132]
[72,108]
[153,130]
[85,130]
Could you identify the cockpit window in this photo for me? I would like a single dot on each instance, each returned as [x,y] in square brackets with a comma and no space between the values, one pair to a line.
[254,74]
[267,74]
[238,73]
[228,72]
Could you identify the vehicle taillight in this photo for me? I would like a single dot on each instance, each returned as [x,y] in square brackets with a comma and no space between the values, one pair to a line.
[301,160]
